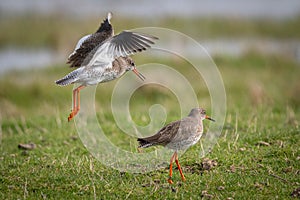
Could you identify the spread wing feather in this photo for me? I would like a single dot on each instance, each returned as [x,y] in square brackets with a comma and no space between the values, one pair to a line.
[124,44]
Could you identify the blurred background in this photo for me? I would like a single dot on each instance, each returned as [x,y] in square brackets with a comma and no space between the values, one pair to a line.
[41,33]
[255,44]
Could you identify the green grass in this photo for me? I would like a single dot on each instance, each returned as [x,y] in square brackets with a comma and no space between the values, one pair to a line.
[263,105]
[257,153]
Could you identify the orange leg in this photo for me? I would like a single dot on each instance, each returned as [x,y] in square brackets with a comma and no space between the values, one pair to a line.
[178,165]
[171,163]
[74,99]
[78,99]
[72,114]
[76,102]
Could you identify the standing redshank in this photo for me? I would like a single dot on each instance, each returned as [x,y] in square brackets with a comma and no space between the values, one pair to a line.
[178,135]
[103,56]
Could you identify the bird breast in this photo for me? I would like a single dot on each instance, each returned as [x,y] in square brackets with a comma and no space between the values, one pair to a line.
[188,134]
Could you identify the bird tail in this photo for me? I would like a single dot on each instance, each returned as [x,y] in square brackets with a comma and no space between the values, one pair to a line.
[144,143]
[70,78]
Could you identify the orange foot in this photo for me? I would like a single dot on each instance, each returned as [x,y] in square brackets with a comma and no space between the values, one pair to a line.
[72,114]
[170,180]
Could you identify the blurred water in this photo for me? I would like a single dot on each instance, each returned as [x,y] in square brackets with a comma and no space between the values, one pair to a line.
[154,9]
[14,58]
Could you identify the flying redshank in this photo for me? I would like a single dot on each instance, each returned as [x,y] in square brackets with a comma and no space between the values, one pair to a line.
[178,135]
[103,56]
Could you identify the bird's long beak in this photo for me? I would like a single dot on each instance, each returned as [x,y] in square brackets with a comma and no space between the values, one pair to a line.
[207,117]
[140,75]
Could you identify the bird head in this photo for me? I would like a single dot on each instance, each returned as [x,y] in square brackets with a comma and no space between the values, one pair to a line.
[131,67]
[201,113]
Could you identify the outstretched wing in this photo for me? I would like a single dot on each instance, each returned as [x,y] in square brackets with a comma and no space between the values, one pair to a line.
[85,48]
[124,44]
[79,43]
[88,45]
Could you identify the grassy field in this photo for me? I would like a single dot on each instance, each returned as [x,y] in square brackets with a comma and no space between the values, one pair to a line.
[256,157]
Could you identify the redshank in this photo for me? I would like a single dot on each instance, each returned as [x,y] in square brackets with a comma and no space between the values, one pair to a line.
[178,135]
[103,56]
